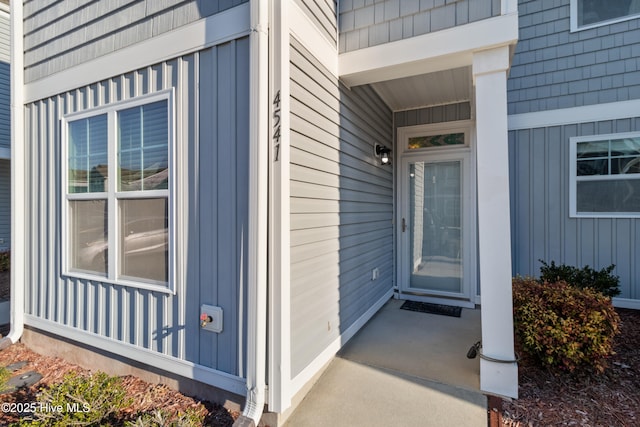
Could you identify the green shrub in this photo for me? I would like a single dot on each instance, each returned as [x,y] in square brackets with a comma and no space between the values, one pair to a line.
[162,418]
[564,327]
[602,281]
[5,374]
[79,401]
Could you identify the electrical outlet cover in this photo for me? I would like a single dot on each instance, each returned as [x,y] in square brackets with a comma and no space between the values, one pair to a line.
[216,317]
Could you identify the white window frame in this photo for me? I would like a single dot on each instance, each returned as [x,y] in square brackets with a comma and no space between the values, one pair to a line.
[111,196]
[574,19]
[573,177]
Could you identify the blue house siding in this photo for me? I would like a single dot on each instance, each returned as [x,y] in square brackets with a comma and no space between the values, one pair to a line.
[341,206]
[367,23]
[540,224]
[61,34]
[323,14]
[554,68]
[211,105]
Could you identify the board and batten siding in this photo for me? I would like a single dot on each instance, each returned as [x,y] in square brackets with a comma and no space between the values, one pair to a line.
[341,206]
[61,34]
[540,224]
[554,68]
[5,204]
[323,14]
[5,81]
[364,24]
[211,109]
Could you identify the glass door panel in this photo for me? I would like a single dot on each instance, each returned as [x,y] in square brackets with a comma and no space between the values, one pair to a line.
[436,226]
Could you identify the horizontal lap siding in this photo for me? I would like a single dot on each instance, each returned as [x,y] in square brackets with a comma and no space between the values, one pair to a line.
[541,227]
[61,34]
[323,14]
[364,24]
[5,82]
[216,218]
[554,68]
[5,204]
[341,206]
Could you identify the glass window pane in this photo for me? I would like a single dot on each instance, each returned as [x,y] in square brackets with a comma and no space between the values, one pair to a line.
[593,167]
[88,229]
[592,149]
[143,147]
[621,195]
[436,141]
[144,239]
[594,11]
[625,165]
[88,155]
[625,147]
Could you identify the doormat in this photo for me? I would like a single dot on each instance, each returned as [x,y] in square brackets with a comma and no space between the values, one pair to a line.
[425,307]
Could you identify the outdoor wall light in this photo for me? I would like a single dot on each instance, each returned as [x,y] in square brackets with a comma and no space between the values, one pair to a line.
[383,152]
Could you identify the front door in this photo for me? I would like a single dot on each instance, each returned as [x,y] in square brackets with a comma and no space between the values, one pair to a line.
[437,212]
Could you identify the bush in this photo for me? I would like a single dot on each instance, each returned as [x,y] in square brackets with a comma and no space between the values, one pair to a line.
[602,281]
[79,401]
[162,418]
[563,327]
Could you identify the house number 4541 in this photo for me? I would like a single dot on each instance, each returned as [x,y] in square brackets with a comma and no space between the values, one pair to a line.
[276,126]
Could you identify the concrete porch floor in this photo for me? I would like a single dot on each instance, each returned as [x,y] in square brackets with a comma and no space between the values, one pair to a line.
[403,368]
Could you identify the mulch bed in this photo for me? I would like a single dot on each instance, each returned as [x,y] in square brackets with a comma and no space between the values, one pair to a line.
[551,399]
[146,397]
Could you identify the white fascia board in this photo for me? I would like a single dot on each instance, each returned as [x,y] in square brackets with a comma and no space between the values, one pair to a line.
[219,28]
[437,51]
[306,32]
[582,114]
[186,369]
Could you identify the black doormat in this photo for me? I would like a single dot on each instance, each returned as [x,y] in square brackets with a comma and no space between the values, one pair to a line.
[425,307]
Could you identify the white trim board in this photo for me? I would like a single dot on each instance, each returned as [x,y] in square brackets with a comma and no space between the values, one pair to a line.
[437,51]
[167,363]
[632,304]
[213,30]
[323,358]
[583,114]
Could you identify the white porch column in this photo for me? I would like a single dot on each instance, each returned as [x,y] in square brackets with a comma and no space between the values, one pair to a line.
[494,236]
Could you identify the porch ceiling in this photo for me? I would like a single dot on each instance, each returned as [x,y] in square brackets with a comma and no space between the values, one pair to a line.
[436,88]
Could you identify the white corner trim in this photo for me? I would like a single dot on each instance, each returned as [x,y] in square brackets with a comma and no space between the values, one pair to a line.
[308,373]
[219,28]
[5,153]
[167,363]
[632,304]
[306,32]
[583,114]
[437,51]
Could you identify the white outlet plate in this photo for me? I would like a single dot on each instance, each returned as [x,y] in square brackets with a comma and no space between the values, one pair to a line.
[216,318]
[375,273]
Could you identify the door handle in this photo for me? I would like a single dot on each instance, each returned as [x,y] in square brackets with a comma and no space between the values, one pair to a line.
[404,225]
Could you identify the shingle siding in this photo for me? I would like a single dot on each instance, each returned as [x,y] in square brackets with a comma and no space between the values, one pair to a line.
[368,23]
[61,34]
[554,68]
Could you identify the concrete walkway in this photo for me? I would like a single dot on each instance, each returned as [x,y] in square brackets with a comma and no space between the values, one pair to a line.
[402,369]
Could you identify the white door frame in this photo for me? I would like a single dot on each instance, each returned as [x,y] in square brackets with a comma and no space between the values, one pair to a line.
[466,154]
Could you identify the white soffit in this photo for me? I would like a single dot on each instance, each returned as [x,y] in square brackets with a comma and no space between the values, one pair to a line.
[440,87]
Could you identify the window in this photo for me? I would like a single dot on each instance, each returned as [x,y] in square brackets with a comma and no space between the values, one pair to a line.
[605,175]
[592,13]
[118,192]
